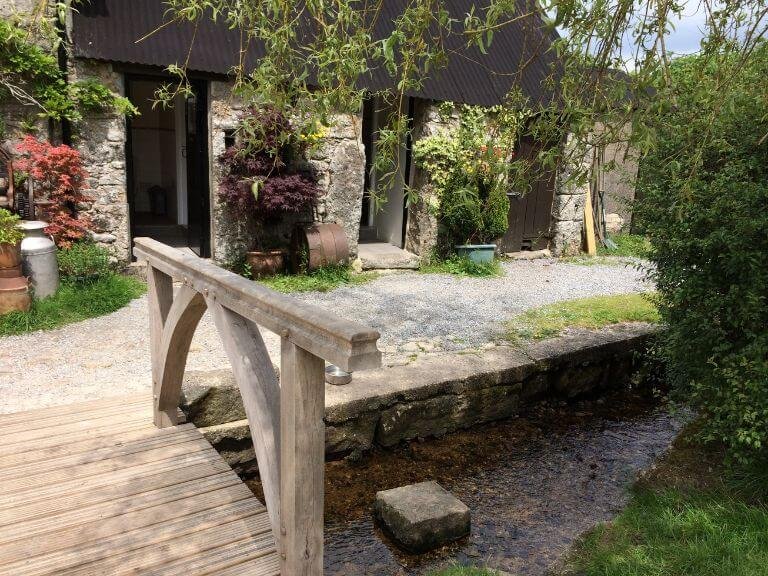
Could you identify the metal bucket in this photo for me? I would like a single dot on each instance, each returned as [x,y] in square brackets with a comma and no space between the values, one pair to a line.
[38,253]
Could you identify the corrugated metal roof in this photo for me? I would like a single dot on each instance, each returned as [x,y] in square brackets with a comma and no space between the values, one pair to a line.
[110,29]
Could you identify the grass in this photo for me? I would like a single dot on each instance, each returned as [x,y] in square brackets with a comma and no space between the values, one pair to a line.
[321,280]
[463,267]
[591,313]
[692,516]
[73,303]
[628,245]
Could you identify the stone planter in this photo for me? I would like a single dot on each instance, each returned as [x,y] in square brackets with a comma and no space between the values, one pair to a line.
[266,263]
[478,253]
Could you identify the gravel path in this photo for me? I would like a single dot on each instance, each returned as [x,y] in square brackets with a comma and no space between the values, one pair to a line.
[415,313]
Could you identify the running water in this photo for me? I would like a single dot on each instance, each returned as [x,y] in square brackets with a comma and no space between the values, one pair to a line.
[533,484]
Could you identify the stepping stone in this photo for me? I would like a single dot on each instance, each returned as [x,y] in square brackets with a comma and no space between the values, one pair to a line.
[421,517]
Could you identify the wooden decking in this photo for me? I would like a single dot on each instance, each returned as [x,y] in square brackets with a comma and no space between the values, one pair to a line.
[97,489]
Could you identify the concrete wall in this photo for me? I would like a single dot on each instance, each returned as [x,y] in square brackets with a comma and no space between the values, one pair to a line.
[619,182]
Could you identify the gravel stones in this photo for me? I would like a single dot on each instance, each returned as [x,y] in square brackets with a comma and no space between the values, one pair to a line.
[415,313]
[422,516]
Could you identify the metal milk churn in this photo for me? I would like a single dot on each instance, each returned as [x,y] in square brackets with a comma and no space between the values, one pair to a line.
[38,254]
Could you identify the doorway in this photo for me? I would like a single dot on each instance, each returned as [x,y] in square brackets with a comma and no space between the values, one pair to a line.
[385,223]
[167,160]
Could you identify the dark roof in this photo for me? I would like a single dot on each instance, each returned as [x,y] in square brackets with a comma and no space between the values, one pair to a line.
[109,29]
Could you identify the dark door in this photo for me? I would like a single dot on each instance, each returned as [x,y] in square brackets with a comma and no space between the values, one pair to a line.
[198,193]
[530,212]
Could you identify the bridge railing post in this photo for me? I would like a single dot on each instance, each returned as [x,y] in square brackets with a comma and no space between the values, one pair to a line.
[285,418]
[302,460]
[159,300]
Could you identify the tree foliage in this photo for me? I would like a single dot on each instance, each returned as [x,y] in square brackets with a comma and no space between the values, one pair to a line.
[30,75]
[59,177]
[703,208]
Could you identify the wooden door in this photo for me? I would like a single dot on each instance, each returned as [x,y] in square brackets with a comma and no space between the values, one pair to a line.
[530,212]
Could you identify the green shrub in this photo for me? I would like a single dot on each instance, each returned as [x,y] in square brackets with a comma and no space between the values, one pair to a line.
[85,262]
[9,228]
[704,210]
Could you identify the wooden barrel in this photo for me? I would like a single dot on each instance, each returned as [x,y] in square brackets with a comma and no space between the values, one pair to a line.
[316,245]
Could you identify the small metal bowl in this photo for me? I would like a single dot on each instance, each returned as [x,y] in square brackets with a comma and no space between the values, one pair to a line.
[336,376]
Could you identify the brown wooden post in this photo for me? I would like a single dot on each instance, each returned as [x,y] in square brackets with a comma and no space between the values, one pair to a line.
[302,461]
[160,298]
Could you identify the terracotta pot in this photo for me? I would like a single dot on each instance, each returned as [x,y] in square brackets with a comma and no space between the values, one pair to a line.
[10,255]
[266,263]
[14,295]
[13,272]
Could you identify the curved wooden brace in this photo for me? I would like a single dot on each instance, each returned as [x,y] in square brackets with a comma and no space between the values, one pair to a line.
[260,390]
[168,372]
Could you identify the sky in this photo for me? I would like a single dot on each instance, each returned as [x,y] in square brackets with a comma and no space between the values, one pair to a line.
[688,31]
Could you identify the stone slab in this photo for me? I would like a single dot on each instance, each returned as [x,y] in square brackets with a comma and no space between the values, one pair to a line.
[383,256]
[422,517]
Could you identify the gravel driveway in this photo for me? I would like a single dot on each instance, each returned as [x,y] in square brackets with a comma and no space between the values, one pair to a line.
[415,313]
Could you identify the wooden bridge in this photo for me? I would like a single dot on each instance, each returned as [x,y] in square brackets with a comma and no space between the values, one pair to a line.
[123,486]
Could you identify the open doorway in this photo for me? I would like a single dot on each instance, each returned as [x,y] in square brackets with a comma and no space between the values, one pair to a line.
[387,223]
[167,153]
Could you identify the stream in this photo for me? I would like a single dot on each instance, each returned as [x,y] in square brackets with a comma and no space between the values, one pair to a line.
[533,485]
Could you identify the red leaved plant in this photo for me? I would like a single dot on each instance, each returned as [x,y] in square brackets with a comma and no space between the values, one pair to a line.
[58,175]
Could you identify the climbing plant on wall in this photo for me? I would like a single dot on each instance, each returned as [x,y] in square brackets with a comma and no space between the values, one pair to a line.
[30,75]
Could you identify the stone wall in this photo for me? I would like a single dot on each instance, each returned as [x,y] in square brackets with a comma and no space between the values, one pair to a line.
[619,182]
[100,138]
[434,395]
[568,203]
[338,164]
[422,231]
[340,167]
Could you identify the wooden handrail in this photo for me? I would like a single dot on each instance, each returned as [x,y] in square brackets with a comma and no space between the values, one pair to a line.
[348,344]
[285,417]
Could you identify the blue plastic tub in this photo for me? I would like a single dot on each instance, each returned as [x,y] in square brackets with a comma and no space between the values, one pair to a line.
[478,253]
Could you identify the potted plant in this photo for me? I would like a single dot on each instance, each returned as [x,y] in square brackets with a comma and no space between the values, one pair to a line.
[468,172]
[262,183]
[10,244]
[475,207]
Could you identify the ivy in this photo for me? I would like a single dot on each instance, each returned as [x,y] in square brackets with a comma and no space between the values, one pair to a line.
[30,75]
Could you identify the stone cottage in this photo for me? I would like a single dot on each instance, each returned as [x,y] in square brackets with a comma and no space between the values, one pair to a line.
[157,174]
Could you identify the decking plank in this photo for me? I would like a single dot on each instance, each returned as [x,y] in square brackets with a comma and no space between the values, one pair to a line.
[131,489]
[42,456]
[81,407]
[16,467]
[89,553]
[96,489]
[116,507]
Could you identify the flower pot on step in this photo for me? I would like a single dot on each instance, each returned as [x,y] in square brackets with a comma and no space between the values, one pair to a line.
[10,255]
[478,253]
[267,263]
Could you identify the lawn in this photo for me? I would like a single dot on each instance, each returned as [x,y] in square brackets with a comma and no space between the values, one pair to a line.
[591,313]
[321,280]
[74,302]
[691,516]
